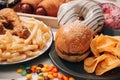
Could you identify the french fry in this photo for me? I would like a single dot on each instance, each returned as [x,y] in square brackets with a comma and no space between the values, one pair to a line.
[27,41]
[29,47]
[32,53]
[6,55]
[47,35]
[39,36]
[17,58]
[18,40]
[15,46]
[0,53]
[14,54]
[15,49]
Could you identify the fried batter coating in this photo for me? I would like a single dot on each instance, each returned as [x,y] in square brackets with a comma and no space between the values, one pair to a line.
[2,29]
[11,20]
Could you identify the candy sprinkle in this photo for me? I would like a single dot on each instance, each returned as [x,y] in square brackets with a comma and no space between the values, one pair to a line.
[43,72]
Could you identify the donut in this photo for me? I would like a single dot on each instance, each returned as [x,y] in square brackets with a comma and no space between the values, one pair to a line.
[83,11]
[111,14]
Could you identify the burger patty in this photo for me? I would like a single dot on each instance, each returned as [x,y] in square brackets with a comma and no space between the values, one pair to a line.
[75,54]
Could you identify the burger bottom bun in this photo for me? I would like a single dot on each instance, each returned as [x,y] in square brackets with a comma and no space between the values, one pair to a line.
[72,58]
[72,41]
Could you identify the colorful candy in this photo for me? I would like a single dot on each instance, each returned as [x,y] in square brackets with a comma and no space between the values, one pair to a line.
[29,76]
[44,72]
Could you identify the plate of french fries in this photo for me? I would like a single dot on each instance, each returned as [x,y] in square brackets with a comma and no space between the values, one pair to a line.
[14,49]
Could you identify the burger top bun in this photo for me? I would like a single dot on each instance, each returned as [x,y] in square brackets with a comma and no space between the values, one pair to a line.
[72,41]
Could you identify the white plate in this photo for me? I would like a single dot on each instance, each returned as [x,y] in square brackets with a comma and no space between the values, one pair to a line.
[48,44]
[50,21]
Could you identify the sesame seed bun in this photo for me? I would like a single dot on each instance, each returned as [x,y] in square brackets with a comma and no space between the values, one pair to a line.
[72,42]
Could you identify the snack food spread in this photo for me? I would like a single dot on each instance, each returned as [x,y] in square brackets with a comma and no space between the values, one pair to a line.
[79,22]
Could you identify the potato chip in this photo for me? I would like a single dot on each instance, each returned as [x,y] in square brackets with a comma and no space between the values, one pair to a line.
[90,68]
[116,51]
[91,63]
[103,43]
[93,47]
[116,37]
[109,63]
[109,46]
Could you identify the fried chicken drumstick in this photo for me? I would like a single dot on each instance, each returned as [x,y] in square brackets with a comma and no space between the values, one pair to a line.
[9,20]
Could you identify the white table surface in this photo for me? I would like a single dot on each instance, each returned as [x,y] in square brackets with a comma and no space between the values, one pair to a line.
[8,72]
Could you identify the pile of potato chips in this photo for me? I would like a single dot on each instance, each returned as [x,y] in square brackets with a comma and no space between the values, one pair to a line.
[106,54]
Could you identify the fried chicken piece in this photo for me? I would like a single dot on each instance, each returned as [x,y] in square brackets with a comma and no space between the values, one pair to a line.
[11,20]
[2,30]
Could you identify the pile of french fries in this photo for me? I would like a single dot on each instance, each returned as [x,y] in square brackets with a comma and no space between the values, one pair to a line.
[15,49]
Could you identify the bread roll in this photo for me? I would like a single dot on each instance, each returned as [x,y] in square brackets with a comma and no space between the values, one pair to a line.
[28,6]
[72,41]
[49,7]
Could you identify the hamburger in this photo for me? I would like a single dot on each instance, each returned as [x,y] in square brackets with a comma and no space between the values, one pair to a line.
[72,41]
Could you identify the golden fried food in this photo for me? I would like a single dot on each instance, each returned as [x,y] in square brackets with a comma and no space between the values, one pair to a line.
[106,54]
[107,64]
[28,6]
[11,21]
[103,43]
[41,7]
[15,49]
[2,29]
[91,63]
[49,7]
